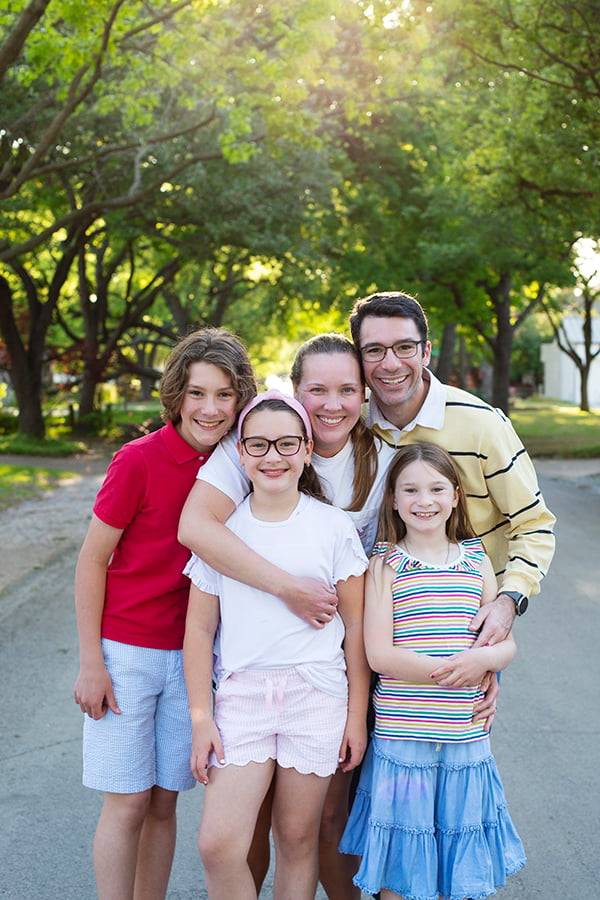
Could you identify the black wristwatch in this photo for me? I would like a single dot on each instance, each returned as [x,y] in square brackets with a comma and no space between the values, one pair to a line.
[521,601]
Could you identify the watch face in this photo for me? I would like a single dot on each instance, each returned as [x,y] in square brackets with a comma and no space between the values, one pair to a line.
[521,601]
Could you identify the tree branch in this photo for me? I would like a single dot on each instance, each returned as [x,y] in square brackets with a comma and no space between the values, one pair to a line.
[11,49]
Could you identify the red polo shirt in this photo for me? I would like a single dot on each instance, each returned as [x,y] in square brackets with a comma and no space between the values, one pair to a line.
[143,493]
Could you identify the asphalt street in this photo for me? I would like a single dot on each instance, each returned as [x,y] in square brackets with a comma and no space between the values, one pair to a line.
[545,738]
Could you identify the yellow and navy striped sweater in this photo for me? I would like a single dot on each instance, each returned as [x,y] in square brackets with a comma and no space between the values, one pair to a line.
[505,504]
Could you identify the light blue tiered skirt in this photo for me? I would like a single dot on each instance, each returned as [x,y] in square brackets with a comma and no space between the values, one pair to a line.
[431,819]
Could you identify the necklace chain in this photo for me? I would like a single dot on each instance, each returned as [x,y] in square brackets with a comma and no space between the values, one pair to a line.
[410,553]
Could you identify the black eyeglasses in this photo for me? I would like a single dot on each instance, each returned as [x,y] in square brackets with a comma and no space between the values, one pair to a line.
[260,446]
[401,349]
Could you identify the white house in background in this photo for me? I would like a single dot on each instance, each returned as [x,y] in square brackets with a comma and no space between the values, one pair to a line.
[561,376]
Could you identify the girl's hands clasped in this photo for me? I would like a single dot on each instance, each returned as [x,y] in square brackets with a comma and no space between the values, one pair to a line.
[464,669]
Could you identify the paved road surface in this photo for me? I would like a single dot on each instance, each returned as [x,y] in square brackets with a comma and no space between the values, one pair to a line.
[546,737]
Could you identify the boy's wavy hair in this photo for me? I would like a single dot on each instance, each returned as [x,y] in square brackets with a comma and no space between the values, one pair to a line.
[212,345]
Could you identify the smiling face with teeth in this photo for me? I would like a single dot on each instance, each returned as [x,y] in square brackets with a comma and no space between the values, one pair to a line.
[331,391]
[424,499]
[209,406]
[397,384]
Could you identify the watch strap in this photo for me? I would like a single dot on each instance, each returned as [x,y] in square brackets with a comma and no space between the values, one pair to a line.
[520,600]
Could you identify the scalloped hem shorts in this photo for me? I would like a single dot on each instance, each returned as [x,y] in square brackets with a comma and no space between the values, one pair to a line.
[277,714]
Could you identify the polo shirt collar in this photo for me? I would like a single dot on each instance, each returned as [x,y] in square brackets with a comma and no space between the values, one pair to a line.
[430,415]
[180,450]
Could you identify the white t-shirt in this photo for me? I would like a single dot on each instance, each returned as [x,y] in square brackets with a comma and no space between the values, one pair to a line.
[336,474]
[224,471]
[257,630]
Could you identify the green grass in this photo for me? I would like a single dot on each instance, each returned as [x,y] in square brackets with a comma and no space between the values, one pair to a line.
[22,445]
[554,429]
[27,482]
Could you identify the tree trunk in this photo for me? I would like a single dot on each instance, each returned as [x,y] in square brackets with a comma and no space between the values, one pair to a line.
[443,369]
[502,346]
[584,401]
[27,359]
[31,417]
[13,42]
[87,394]
[146,387]
[25,368]
[584,371]
[463,364]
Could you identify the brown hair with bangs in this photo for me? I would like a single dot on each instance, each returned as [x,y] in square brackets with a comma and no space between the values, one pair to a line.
[363,442]
[391,529]
[309,482]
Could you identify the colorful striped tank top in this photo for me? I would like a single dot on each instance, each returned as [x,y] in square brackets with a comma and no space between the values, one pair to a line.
[432,609]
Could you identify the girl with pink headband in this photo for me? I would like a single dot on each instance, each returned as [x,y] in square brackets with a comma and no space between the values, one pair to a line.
[290,698]
[261,399]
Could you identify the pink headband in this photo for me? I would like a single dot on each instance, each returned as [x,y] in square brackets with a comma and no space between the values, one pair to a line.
[276,395]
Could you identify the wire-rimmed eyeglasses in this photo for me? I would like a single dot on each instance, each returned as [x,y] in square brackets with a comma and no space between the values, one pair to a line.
[288,445]
[401,350]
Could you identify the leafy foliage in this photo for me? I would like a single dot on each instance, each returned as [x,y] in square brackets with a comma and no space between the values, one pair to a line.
[258,166]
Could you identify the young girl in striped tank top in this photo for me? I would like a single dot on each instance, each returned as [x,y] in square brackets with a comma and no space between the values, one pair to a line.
[430,818]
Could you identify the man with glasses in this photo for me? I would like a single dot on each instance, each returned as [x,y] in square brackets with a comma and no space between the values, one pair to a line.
[408,404]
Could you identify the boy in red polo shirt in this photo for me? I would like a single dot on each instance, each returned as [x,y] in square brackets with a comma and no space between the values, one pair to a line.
[131,601]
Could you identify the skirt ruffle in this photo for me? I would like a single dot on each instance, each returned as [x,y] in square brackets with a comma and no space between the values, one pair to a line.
[430,822]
